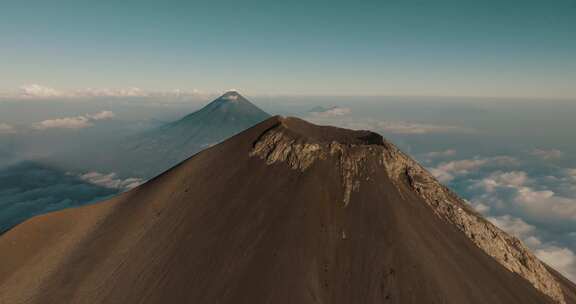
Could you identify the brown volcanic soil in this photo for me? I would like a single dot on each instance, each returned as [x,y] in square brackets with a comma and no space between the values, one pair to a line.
[225,227]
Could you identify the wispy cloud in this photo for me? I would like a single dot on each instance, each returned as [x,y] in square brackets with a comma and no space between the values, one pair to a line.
[7,128]
[447,171]
[75,122]
[37,91]
[338,118]
[441,154]
[547,154]
[111,180]
[101,115]
[405,127]
[502,179]
[330,112]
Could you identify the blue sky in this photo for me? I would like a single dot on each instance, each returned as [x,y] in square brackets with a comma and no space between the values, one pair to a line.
[440,48]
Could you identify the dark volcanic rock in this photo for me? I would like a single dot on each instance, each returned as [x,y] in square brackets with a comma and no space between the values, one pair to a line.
[285,212]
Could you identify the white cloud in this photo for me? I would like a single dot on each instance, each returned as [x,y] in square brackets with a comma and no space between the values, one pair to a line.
[503,179]
[561,259]
[114,92]
[36,90]
[532,242]
[571,173]
[545,204]
[523,206]
[441,175]
[7,129]
[514,226]
[404,127]
[547,154]
[137,92]
[339,118]
[481,208]
[441,154]
[101,115]
[447,171]
[110,180]
[514,190]
[331,112]
[75,122]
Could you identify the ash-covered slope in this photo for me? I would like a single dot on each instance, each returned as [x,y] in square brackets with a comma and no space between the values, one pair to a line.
[285,212]
[153,152]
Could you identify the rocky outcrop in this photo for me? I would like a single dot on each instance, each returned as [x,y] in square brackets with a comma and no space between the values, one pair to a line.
[274,146]
[277,145]
[280,145]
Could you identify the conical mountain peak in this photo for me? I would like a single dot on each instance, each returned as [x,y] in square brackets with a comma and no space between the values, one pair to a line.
[174,142]
[284,212]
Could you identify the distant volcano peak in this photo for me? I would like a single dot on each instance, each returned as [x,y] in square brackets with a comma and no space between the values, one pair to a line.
[174,142]
[231,95]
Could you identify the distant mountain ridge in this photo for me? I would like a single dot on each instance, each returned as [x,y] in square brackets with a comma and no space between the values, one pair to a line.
[157,150]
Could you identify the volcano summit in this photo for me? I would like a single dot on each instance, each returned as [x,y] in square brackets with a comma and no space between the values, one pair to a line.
[284,212]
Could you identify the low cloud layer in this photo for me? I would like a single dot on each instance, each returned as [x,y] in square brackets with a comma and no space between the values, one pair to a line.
[37,91]
[340,118]
[75,122]
[330,112]
[101,115]
[530,198]
[28,189]
[405,127]
[521,204]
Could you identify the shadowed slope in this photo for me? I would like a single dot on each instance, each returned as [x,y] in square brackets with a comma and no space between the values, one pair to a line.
[285,212]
